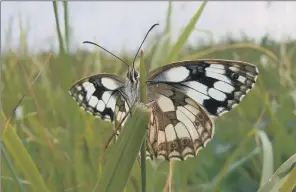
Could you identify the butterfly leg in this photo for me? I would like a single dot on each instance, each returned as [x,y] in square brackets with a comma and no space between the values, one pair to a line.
[109,140]
[115,133]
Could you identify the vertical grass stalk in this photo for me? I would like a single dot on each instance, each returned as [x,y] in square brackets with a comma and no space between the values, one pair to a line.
[66,19]
[56,15]
[176,49]
[143,99]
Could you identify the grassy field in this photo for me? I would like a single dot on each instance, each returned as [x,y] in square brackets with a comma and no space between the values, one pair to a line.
[52,145]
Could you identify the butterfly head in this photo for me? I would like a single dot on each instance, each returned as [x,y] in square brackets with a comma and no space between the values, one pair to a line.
[133,74]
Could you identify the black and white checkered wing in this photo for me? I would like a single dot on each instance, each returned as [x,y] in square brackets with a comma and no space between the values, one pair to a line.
[98,94]
[185,97]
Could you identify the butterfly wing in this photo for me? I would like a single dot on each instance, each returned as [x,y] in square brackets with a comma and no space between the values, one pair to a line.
[98,94]
[179,127]
[122,111]
[216,85]
[186,96]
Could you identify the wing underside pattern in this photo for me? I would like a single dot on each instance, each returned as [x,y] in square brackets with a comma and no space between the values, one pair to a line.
[178,126]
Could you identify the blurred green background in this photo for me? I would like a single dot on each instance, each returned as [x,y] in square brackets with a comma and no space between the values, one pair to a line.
[52,145]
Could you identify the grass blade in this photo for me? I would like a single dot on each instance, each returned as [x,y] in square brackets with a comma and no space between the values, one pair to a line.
[280,176]
[66,18]
[17,179]
[290,183]
[231,159]
[22,159]
[267,169]
[56,15]
[158,58]
[121,157]
[143,99]
[185,34]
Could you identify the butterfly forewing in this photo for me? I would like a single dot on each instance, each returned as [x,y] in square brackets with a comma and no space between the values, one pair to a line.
[216,85]
[98,94]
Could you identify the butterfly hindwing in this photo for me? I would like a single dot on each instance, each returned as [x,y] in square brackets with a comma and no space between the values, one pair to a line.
[98,94]
[122,113]
[216,85]
[178,126]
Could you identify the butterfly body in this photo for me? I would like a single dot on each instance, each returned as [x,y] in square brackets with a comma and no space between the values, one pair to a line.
[185,98]
[131,89]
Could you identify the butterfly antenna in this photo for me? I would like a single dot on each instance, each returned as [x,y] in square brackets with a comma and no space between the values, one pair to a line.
[143,42]
[89,42]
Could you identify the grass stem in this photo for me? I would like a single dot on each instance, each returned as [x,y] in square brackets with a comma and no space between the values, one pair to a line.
[56,15]
[143,99]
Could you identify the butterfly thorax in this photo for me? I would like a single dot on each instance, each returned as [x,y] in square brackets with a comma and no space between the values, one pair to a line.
[131,89]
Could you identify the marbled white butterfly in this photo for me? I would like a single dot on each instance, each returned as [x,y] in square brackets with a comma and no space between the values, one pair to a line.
[185,98]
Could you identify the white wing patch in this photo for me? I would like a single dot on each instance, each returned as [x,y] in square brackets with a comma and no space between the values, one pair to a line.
[197,86]
[222,86]
[175,74]
[196,95]
[100,106]
[216,94]
[165,104]
[218,77]
[110,83]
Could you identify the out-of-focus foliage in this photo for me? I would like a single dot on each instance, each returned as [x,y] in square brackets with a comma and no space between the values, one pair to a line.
[66,144]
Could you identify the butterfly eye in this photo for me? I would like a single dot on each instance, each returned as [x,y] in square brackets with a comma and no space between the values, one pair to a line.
[136,74]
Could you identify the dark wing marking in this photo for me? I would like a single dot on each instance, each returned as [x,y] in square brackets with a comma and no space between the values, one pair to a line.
[98,94]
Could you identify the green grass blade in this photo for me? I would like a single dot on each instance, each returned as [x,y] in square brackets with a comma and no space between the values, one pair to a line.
[56,15]
[22,159]
[163,45]
[280,176]
[158,58]
[6,158]
[290,183]
[121,157]
[231,159]
[66,19]
[168,18]
[185,34]
[267,169]
[240,45]
[143,99]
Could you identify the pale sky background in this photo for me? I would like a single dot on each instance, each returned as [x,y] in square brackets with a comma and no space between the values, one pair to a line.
[118,25]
